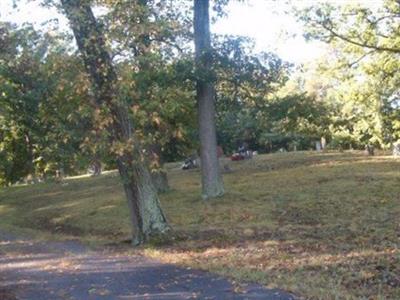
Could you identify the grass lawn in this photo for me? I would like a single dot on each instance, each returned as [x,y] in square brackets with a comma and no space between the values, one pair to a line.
[321,225]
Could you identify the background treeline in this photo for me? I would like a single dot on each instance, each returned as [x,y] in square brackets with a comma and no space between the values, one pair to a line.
[48,125]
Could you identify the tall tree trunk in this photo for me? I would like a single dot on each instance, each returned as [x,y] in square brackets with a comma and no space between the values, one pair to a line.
[145,210]
[29,161]
[212,185]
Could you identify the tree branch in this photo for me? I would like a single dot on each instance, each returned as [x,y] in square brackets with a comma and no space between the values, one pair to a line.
[359,59]
[360,44]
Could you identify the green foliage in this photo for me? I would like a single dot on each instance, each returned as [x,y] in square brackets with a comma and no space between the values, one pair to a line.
[244,81]
[295,121]
[148,40]
[251,106]
[43,121]
[47,122]
[162,103]
[363,69]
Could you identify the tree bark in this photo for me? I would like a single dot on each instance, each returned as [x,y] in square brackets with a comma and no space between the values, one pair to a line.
[158,173]
[212,185]
[146,214]
[160,180]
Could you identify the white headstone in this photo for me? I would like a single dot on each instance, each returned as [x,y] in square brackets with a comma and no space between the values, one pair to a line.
[396,149]
[318,146]
[323,143]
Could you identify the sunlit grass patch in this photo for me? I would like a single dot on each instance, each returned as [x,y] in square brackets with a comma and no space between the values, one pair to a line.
[322,225]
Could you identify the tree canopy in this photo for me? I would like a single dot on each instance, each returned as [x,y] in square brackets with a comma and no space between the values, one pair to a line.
[49,123]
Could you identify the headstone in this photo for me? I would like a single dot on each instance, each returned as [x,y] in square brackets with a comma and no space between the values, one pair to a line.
[59,175]
[190,163]
[323,143]
[95,167]
[318,146]
[396,149]
[248,154]
[369,150]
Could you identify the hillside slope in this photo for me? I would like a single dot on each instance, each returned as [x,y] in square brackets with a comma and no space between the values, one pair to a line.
[321,225]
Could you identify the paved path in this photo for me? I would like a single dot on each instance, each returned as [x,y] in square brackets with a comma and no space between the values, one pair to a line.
[68,270]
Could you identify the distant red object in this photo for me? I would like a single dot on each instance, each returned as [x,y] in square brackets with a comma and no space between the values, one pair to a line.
[236,157]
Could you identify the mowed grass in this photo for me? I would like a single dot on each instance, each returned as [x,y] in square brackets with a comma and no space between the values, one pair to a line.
[321,225]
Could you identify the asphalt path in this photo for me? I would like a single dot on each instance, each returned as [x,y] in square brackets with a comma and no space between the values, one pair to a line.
[50,270]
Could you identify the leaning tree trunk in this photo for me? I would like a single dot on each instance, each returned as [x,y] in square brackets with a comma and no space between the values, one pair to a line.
[145,210]
[212,185]
[146,214]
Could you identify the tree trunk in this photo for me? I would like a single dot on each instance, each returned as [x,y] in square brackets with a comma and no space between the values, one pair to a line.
[158,174]
[160,180]
[212,185]
[145,210]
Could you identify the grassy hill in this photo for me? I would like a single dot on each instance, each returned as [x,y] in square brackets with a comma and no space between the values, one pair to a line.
[322,225]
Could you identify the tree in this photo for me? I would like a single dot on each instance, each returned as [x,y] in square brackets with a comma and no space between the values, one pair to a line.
[370,28]
[144,37]
[43,120]
[145,210]
[245,82]
[365,45]
[212,185]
